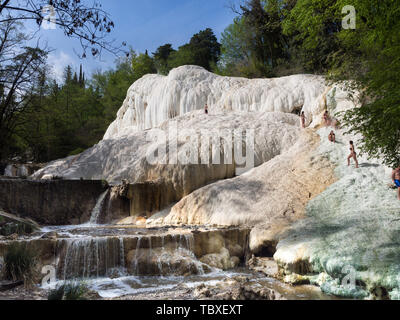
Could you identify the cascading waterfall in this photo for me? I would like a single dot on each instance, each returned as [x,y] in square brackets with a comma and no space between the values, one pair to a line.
[166,255]
[8,171]
[90,257]
[186,246]
[94,217]
[135,263]
[171,255]
[22,171]
[122,252]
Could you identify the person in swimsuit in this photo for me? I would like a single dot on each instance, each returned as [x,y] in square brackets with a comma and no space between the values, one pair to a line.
[332,137]
[206,109]
[396,180]
[303,120]
[353,154]
[326,118]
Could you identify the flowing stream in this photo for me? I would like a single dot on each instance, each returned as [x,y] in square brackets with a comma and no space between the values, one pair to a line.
[118,261]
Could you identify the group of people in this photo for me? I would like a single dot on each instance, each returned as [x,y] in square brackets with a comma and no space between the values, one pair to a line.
[353,153]
[332,136]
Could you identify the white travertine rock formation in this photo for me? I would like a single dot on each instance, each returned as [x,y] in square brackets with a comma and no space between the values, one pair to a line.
[322,218]
[270,196]
[156,98]
[352,226]
[125,158]
[234,103]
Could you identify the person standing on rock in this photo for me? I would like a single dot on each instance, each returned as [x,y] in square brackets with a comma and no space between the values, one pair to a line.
[303,120]
[332,137]
[326,118]
[353,154]
[396,180]
[206,109]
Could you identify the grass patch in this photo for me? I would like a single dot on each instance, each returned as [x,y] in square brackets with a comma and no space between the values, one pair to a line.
[7,229]
[74,290]
[20,264]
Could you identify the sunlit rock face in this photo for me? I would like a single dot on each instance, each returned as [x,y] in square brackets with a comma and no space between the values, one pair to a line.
[156,98]
[349,239]
[127,158]
[269,197]
[157,102]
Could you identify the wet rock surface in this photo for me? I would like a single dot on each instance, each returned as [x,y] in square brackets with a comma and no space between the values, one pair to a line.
[238,288]
[21,293]
[267,266]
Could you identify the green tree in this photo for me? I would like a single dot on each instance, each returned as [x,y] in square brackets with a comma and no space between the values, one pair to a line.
[367,55]
[161,57]
[235,52]
[370,55]
[313,26]
[142,64]
[202,50]
[20,67]
[254,45]
[112,86]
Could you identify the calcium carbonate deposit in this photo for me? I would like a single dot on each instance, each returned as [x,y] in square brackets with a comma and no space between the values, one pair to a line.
[351,233]
[332,225]
[156,98]
[127,158]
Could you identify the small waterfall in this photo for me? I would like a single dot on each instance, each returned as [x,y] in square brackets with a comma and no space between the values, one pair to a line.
[94,217]
[186,246]
[22,171]
[122,252]
[166,255]
[90,257]
[135,263]
[8,172]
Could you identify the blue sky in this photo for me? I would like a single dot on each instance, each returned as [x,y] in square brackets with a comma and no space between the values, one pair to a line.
[144,24]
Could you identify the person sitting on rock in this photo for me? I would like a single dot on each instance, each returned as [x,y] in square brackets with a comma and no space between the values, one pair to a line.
[332,137]
[303,120]
[353,154]
[206,109]
[396,180]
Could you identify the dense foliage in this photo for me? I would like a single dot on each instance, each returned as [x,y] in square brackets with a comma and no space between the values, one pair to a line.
[20,264]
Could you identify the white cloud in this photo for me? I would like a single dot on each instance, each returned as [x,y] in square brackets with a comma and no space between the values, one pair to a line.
[58,62]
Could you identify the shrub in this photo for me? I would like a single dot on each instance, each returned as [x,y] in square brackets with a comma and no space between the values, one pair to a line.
[56,294]
[18,228]
[20,264]
[69,291]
